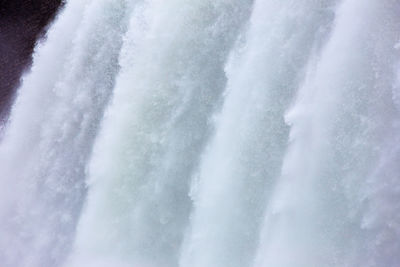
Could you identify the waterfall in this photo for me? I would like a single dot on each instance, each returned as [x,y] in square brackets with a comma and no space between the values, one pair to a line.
[51,131]
[209,133]
[338,127]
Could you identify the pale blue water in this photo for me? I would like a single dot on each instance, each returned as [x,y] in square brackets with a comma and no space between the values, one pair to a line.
[207,133]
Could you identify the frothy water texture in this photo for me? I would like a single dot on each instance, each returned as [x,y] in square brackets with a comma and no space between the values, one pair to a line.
[207,133]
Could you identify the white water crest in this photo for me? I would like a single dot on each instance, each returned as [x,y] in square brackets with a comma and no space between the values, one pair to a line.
[207,133]
[51,131]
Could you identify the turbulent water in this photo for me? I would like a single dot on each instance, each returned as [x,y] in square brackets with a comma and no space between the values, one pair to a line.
[207,133]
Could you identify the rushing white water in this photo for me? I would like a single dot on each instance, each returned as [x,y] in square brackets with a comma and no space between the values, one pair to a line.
[51,131]
[170,82]
[209,133]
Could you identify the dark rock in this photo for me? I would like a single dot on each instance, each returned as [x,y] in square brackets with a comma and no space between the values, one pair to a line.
[22,23]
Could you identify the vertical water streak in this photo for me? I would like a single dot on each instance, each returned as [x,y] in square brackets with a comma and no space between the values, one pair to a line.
[51,130]
[170,84]
[338,126]
[244,157]
[380,192]
[239,134]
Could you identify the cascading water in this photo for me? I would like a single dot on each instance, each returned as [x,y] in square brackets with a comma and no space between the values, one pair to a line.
[52,127]
[209,133]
